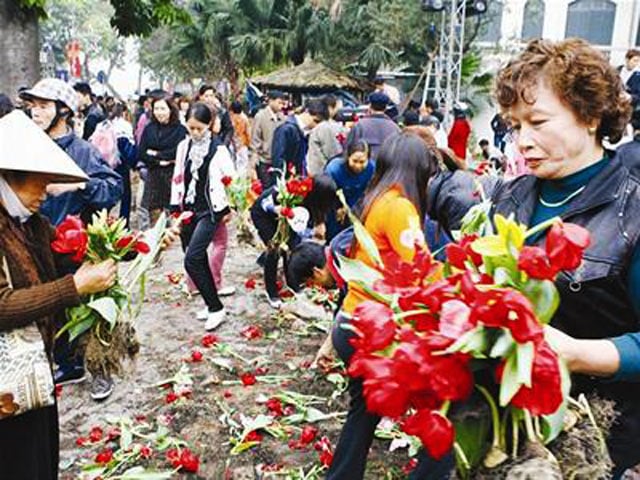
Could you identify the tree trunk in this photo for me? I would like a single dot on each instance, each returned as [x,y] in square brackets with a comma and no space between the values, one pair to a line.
[19,48]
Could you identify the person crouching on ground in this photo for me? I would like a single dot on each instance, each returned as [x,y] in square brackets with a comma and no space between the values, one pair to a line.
[264,214]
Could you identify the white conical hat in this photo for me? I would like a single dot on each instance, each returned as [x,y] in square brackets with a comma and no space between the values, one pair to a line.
[25,147]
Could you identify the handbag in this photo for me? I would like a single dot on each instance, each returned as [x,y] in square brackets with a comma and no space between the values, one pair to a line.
[26,382]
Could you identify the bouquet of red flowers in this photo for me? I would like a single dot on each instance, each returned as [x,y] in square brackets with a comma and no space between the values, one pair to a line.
[110,336]
[291,216]
[436,329]
[242,193]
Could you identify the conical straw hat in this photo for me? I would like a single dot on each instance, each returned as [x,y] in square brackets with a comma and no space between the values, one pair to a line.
[25,147]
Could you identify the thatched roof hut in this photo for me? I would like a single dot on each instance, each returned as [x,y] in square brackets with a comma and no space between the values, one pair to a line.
[311,77]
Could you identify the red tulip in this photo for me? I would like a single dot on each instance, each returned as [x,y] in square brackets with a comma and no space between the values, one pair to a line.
[308,434]
[146,452]
[196,356]
[209,340]
[251,332]
[323,447]
[95,435]
[434,431]
[141,247]
[253,436]
[256,187]
[82,441]
[124,242]
[250,284]
[274,406]
[287,212]
[104,456]
[544,397]
[374,325]
[565,244]
[535,263]
[226,180]
[171,397]
[248,379]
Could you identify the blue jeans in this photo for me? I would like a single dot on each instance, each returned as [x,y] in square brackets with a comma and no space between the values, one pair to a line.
[350,457]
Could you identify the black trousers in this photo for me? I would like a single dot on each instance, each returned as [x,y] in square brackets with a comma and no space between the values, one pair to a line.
[29,445]
[350,457]
[266,225]
[267,178]
[196,237]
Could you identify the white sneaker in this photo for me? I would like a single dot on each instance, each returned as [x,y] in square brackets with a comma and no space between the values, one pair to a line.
[215,319]
[227,291]
[203,314]
[275,302]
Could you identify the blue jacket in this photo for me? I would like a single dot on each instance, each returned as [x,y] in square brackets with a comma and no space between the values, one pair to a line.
[103,190]
[352,185]
[289,146]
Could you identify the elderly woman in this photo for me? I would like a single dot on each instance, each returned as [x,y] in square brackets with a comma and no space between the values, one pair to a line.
[563,99]
[31,292]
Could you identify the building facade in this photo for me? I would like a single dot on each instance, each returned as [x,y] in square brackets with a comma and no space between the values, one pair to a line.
[611,25]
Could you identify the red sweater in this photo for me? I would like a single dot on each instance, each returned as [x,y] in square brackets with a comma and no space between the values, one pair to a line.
[458,137]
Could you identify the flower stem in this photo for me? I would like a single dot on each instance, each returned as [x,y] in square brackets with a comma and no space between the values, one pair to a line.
[495,419]
[445,408]
[528,422]
[515,424]
[541,226]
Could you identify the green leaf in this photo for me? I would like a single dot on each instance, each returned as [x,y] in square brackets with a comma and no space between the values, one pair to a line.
[509,385]
[502,345]
[107,308]
[544,297]
[362,236]
[472,432]
[79,328]
[525,363]
[356,271]
[491,246]
[552,424]
[473,340]
[126,437]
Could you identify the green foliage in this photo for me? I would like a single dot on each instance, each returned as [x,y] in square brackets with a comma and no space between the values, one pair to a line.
[141,17]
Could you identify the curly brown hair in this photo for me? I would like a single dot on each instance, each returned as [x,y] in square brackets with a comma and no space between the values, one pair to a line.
[579,74]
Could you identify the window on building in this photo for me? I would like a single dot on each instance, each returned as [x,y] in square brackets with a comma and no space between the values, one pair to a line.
[491,23]
[592,20]
[533,19]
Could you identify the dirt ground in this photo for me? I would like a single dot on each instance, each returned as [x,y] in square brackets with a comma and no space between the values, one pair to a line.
[169,332]
[207,419]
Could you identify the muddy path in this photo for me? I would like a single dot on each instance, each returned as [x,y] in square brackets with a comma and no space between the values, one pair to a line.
[279,358]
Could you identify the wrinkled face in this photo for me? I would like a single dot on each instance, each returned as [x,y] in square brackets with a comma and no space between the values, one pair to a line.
[357,162]
[31,188]
[552,140]
[161,111]
[209,97]
[196,128]
[43,112]
[276,104]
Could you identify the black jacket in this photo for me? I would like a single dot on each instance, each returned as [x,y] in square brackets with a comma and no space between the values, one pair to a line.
[594,298]
[164,139]
[289,146]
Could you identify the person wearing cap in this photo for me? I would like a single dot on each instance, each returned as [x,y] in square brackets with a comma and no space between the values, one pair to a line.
[33,292]
[264,124]
[53,104]
[389,90]
[91,111]
[375,127]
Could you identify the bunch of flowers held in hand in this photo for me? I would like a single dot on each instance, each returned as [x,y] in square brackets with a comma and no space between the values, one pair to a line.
[110,337]
[291,195]
[434,328]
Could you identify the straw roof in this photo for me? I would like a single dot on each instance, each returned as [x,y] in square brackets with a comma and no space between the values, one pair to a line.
[310,76]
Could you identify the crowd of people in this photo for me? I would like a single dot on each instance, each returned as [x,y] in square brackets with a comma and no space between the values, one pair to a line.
[406,176]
